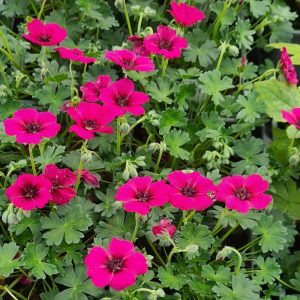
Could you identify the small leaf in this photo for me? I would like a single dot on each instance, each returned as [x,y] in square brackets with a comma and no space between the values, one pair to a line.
[174,140]
[8,262]
[168,279]
[269,270]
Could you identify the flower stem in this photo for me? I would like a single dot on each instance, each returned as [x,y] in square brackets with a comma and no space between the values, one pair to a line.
[42,9]
[72,80]
[127,17]
[223,50]
[32,159]
[288,285]
[239,262]
[140,23]
[161,150]
[155,252]
[181,219]
[34,7]
[119,138]
[164,65]
[80,166]
[174,250]
[228,233]
[136,227]
[189,216]
[249,245]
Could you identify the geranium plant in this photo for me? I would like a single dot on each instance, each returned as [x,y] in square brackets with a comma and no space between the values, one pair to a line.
[149,150]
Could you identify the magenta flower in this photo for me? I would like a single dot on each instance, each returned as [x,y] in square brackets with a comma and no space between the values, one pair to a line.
[138,46]
[91,90]
[90,118]
[30,126]
[190,190]
[165,42]
[288,68]
[44,34]
[243,193]
[121,98]
[292,117]
[164,226]
[140,194]
[89,178]
[74,54]
[118,266]
[185,15]
[62,180]
[130,61]
[29,192]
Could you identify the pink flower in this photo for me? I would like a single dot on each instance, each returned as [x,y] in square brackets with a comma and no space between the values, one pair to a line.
[288,68]
[121,98]
[190,190]
[118,266]
[292,117]
[138,45]
[130,61]
[91,90]
[90,118]
[44,34]
[243,193]
[186,15]
[29,192]
[165,42]
[62,180]
[30,126]
[140,194]
[74,54]
[89,178]
[164,226]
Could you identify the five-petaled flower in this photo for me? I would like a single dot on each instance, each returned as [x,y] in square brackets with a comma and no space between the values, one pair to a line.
[30,126]
[91,90]
[74,54]
[288,68]
[185,15]
[130,61]
[292,117]
[118,266]
[44,34]
[62,181]
[243,193]
[138,46]
[121,98]
[140,194]
[164,226]
[165,42]
[190,190]
[90,118]
[29,192]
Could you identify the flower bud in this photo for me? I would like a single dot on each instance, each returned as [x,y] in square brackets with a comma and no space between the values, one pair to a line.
[164,226]
[89,178]
[148,11]
[153,147]
[87,156]
[233,50]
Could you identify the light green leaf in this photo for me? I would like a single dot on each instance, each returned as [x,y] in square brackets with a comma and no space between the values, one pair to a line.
[168,279]
[8,262]
[172,118]
[269,270]
[174,140]
[222,274]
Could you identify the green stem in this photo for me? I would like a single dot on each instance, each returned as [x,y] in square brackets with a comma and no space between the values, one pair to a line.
[161,150]
[2,71]
[5,43]
[239,263]
[228,233]
[164,65]
[189,216]
[249,245]
[140,23]
[223,50]
[42,9]
[174,250]
[136,227]
[34,7]
[80,166]
[181,219]
[155,252]
[288,285]
[127,17]
[72,80]
[32,159]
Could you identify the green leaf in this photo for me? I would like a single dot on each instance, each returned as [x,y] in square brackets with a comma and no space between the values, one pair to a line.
[171,118]
[222,274]
[194,235]
[51,155]
[8,262]
[34,256]
[78,285]
[242,288]
[108,204]
[68,228]
[7,109]
[212,84]
[243,34]
[11,8]
[161,90]
[226,19]
[174,140]
[269,270]
[292,132]
[277,96]
[273,234]
[52,96]
[259,8]
[287,198]
[296,281]
[169,280]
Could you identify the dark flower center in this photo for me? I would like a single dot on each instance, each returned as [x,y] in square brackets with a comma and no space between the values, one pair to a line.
[143,196]
[189,191]
[241,193]
[32,127]
[166,45]
[122,101]
[44,38]
[129,63]
[90,124]
[115,264]
[29,192]
[76,52]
